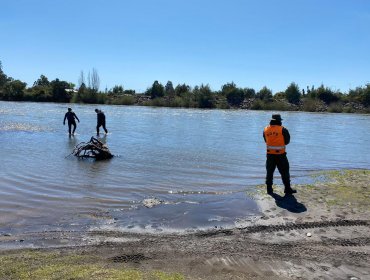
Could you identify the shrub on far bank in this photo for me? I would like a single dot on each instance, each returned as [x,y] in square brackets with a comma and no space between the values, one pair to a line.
[176,102]
[312,105]
[275,105]
[361,94]
[122,100]
[156,102]
[335,108]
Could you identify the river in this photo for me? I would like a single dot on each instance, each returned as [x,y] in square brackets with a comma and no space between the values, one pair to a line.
[200,164]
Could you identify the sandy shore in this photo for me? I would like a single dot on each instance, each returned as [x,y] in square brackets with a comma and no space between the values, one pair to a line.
[322,232]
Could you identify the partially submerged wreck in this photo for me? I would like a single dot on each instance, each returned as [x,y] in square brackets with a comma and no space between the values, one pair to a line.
[93,149]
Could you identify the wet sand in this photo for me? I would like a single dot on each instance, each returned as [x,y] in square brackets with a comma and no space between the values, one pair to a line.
[322,232]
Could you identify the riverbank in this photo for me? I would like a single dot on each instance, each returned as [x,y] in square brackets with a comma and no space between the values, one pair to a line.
[321,232]
[220,102]
[213,101]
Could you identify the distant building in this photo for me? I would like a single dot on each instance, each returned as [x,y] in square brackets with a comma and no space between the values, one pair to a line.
[71,90]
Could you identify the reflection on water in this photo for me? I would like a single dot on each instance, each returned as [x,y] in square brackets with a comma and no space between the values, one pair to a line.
[200,162]
[25,127]
[72,142]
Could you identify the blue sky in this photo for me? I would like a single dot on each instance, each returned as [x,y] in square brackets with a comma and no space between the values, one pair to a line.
[134,42]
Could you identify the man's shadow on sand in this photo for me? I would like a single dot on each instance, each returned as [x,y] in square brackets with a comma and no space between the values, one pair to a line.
[289,202]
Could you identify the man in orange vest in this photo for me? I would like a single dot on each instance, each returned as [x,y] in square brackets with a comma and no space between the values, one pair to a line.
[277,137]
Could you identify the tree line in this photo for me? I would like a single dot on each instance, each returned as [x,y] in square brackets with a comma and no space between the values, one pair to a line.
[313,99]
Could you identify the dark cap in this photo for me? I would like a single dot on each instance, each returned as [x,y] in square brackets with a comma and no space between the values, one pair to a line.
[276,117]
[69,109]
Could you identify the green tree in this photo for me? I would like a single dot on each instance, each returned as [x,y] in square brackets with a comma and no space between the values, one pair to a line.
[365,96]
[264,94]
[157,90]
[3,77]
[129,91]
[325,94]
[181,89]
[249,93]
[311,92]
[81,93]
[293,94]
[118,89]
[204,96]
[234,95]
[58,89]
[280,95]
[169,90]
[42,81]
[360,94]
[227,88]
[14,90]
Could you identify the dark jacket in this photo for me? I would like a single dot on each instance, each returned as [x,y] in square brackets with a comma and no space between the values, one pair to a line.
[286,134]
[101,117]
[70,116]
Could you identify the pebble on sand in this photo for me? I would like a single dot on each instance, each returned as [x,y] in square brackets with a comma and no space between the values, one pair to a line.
[309,234]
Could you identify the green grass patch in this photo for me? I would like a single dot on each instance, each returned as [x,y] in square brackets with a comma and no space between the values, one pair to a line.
[39,265]
[335,188]
[345,187]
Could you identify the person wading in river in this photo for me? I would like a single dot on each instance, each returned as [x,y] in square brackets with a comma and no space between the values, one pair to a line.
[277,137]
[100,121]
[70,116]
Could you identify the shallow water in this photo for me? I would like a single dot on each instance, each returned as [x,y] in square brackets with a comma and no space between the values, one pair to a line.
[199,163]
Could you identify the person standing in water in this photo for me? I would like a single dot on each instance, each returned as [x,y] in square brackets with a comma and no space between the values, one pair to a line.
[100,121]
[277,137]
[71,117]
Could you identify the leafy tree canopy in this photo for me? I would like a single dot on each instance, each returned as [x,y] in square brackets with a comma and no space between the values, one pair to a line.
[42,81]
[292,93]
[181,89]
[264,94]
[168,89]
[157,90]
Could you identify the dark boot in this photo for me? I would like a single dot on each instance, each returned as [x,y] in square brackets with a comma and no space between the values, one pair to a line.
[289,191]
[270,190]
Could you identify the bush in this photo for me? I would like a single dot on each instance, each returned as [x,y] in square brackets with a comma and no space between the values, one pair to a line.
[257,105]
[204,96]
[235,97]
[222,104]
[278,106]
[156,102]
[310,105]
[326,94]
[360,94]
[335,108]
[348,110]
[123,100]
[176,102]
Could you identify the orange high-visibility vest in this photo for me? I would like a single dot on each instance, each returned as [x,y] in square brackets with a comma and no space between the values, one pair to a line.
[275,143]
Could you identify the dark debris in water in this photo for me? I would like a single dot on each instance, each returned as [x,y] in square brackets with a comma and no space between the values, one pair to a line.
[92,149]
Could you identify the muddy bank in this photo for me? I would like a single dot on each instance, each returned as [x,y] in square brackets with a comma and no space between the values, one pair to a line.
[322,232]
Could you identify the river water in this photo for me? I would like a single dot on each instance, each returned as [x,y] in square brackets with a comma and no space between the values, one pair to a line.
[200,164]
